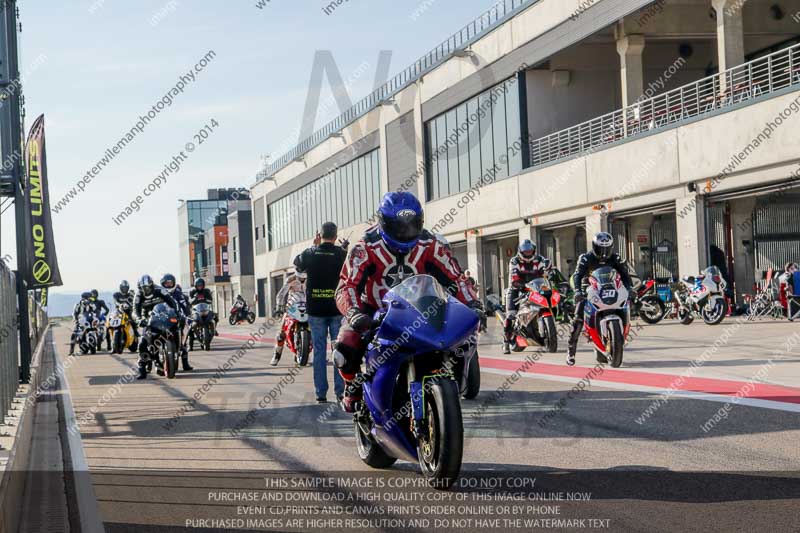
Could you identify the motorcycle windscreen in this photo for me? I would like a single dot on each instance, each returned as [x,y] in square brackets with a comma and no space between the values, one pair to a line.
[427,296]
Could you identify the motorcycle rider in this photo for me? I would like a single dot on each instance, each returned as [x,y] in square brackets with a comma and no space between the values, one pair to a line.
[523,268]
[85,305]
[125,296]
[295,284]
[148,296]
[396,248]
[201,295]
[601,254]
[240,307]
[169,282]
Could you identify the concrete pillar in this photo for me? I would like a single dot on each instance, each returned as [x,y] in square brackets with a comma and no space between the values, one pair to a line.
[419,148]
[383,153]
[691,235]
[730,32]
[630,48]
[595,223]
[475,261]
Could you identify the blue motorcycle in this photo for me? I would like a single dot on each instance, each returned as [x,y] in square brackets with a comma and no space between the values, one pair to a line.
[415,361]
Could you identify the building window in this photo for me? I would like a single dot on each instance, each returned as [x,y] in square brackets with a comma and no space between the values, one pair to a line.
[474,143]
[347,196]
[256,232]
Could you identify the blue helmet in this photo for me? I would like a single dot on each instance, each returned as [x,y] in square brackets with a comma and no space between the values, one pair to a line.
[400,218]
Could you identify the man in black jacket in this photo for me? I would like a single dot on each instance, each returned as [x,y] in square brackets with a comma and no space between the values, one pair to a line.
[201,295]
[322,264]
[149,296]
[601,254]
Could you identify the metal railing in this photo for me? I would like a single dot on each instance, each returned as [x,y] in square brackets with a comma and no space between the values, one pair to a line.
[750,80]
[501,11]
[9,346]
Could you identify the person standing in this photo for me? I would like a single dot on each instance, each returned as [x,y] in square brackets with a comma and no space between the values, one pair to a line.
[322,264]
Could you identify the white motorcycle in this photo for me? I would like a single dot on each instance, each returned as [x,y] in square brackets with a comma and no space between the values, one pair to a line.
[296,329]
[607,316]
[85,334]
[703,296]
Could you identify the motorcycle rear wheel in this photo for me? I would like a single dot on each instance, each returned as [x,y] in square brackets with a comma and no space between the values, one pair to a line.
[685,316]
[232,320]
[655,313]
[303,346]
[441,450]
[369,450]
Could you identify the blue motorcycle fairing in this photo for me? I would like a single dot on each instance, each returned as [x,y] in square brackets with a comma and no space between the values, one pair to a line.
[405,333]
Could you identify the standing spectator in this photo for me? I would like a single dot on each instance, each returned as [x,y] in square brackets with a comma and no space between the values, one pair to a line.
[323,263]
[788,290]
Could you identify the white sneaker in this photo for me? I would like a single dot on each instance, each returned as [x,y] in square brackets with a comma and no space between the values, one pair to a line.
[570,359]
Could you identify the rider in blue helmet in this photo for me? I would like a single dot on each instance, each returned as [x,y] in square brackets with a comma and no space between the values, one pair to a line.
[396,248]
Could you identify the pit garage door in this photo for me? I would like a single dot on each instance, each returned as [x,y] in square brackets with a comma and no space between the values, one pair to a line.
[776,233]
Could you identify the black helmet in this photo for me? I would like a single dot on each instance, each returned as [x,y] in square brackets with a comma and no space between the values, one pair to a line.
[124,287]
[199,284]
[168,282]
[85,295]
[95,294]
[526,250]
[603,245]
[146,285]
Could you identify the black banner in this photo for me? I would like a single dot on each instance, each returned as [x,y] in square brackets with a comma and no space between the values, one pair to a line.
[40,247]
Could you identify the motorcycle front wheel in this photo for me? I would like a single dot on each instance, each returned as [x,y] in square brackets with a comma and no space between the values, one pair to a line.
[251,317]
[652,309]
[119,341]
[715,314]
[303,346]
[616,343]
[473,379]
[440,448]
[207,336]
[549,334]
[170,360]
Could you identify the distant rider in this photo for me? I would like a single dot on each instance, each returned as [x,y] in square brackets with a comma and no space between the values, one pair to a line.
[395,249]
[240,307]
[201,295]
[85,305]
[149,296]
[523,268]
[601,254]
[294,286]
[169,282]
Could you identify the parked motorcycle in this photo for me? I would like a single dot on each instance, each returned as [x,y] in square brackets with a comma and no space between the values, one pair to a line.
[535,322]
[607,315]
[202,326]
[646,302]
[163,334]
[120,329]
[703,296]
[296,328]
[411,408]
[565,310]
[85,334]
[239,314]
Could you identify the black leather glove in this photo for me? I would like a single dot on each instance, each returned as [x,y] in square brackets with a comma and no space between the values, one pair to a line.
[360,322]
[142,322]
[579,296]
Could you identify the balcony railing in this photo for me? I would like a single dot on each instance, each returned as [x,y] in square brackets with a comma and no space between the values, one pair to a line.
[501,11]
[756,78]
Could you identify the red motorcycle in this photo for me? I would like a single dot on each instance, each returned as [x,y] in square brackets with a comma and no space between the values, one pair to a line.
[646,302]
[535,322]
[239,314]
[296,329]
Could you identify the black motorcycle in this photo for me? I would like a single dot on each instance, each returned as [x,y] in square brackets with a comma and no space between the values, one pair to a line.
[202,327]
[163,334]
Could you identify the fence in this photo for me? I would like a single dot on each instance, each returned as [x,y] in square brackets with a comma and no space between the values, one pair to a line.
[9,335]
[750,80]
[9,346]
[501,11]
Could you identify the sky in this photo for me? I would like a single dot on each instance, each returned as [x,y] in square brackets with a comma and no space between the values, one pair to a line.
[93,67]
